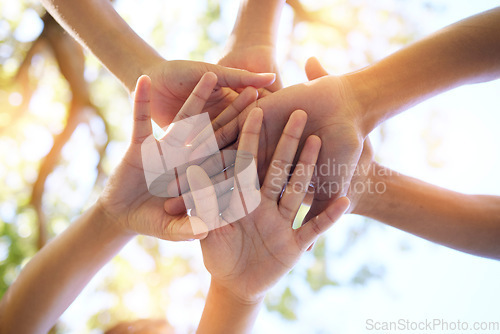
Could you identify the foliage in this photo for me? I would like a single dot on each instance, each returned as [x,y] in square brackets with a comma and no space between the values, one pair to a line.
[37,104]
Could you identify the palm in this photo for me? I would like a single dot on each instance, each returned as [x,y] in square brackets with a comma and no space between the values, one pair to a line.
[249,248]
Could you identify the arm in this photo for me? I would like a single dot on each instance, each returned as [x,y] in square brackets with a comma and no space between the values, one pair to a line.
[463,53]
[57,274]
[343,110]
[127,56]
[469,223]
[225,312]
[252,44]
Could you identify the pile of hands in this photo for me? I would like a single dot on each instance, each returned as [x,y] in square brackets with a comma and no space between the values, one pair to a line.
[285,129]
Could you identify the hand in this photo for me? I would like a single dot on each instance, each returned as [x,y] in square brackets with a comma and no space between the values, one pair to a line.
[173,81]
[250,255]
[126,199]
[332,115]
[258,58]
[252,43]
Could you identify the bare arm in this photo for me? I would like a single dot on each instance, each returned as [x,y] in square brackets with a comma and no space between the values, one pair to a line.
[252,43]
[57,274]
[463,53]
[97,26]
[469,223]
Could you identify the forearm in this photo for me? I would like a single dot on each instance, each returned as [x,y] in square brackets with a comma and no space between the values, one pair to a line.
[465,52]
[257,21]
[56,275]
[225,313]
[96,25]
[469,223]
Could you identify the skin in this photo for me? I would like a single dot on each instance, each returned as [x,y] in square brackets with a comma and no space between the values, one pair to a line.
[125,208]
[252,43]
[128,57]
[247,257]
[343,110]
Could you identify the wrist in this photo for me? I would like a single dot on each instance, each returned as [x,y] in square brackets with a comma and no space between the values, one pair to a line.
[114,222]
[375,187]
[364,95]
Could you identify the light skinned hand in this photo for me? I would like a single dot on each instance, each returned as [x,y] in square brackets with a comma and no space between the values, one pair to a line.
[173,81]
[250,255]
[258,58]
[332,116]
[126,199]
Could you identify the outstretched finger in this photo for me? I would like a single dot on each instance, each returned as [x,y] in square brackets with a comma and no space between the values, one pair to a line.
[142,127]
[196,101]
[236,78]
[310,231]
[246,97]
[297,187]
[281,162]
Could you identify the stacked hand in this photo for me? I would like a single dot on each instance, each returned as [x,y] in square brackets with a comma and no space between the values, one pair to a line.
[173,81]
[126,199]
[248,256]
[333,116]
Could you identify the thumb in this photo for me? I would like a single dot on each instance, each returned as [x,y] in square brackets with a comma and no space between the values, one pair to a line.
[236,78]
[204,196]
[314,69]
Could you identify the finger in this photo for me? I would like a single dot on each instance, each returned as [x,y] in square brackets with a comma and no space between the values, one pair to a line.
[247,96]
[235,78]
[249,140]
[281,162]
[246,156]
[246,195]
[142,127]
[317,206]
[196,101]
[309,232]
[174,206]
[314,69]
[204,196]
[180,205]
[224,137]
[297,187]
[184,125]
[214,165]
[187,228]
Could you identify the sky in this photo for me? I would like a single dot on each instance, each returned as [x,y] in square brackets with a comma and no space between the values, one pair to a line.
[421,282]
[426,281]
